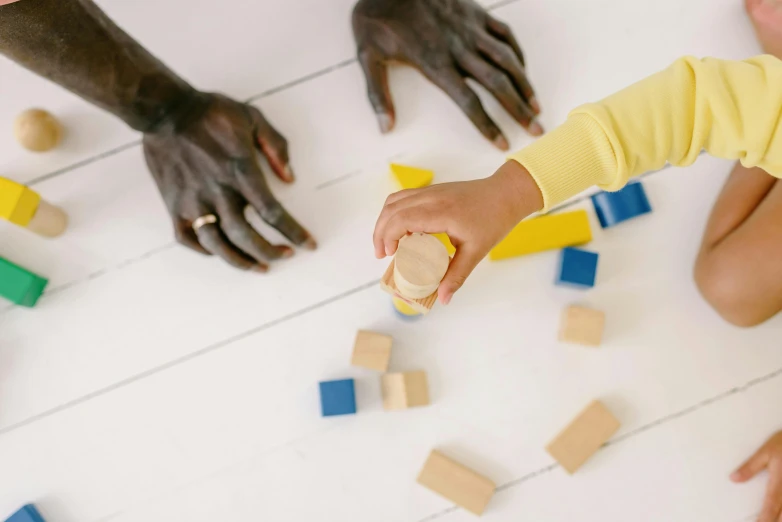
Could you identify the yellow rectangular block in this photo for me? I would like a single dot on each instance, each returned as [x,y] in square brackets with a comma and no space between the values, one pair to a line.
[544,233]
[17,202]
[457,483]
[583,437]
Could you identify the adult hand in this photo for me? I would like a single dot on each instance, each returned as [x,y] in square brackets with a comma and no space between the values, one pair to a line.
[476,215]
[448,41]
[205,163]
[769,457]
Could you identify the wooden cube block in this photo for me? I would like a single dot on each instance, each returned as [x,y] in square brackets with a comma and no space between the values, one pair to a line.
[421,306]
[582,326]
[337,397]
[372,350]
[411,177]
[577,268]
[404,390]
[583,436]
[544,233]
[613,208]
[459,484]
[20,286]
[17,202]
[26,514]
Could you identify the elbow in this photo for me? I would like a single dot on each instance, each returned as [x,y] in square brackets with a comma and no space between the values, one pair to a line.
[729,294]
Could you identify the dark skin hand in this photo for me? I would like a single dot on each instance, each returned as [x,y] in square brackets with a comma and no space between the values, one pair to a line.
[448,41]
[201,148]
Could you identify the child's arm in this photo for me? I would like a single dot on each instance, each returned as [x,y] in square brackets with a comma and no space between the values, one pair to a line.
[730,109]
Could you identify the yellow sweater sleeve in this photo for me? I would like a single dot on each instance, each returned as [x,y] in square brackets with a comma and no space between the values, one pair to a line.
[731,109]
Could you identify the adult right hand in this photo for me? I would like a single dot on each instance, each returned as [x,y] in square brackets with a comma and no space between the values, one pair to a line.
[768,457]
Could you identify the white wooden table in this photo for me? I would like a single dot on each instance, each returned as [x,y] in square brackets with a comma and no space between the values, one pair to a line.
[153,385]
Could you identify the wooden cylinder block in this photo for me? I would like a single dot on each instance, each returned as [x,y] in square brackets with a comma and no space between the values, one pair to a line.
[419,265]
[48,220]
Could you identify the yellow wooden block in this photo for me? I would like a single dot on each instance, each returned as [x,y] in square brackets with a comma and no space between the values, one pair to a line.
[17,202]
[411,177]
[544,233]
[404,308]
[445,240]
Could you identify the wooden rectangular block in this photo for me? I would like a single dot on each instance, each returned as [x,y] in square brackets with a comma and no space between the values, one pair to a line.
[582,326]
[17,202]
[544,233]
[583,437]
[422,306]
[372,350]
[20,286]
[457,483]
[404,390]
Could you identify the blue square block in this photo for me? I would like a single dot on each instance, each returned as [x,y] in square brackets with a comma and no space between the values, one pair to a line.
[614,207]
[27,514]
[337,397]
[577,268]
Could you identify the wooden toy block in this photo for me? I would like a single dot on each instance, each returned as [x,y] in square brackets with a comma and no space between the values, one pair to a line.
[583,437]
[337,397]
[372,350]
[613,208]
[421,306]
[577,268]
[37,130]
[544,233]
[420,263]
[24,207]
[20,286]
[404,310]
[27,514]
[411,177]
[459,484]
[445,240]
[582,326]
[404,390]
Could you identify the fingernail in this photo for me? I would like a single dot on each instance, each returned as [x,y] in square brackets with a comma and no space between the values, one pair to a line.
[288,172]
[735,476]
[389,251]
[310,243]
[501,143]
[286,252]
[447,299]
[535,129]
[385,121]
[533,102]
[261,269]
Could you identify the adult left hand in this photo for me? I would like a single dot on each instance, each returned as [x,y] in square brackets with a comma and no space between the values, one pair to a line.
[768,457]
[448,41]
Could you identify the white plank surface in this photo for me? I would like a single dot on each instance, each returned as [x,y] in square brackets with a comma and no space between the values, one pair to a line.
[154,385]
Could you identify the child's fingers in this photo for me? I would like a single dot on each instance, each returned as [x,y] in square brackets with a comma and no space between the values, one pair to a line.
[772,504]
[463,263]
[754,465]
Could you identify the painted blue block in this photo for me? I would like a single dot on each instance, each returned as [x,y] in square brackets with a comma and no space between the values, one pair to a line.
[577,268]
[27,514]
[614,207]
[337,397]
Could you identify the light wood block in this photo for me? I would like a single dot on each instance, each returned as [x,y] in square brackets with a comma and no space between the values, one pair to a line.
[420,263]
[411,177]
[544,233]
[583,437]
[421,306]
[404,390]
[372,350]
[582,326]
[459,484]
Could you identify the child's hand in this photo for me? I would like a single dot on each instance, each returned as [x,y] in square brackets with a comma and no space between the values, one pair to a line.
[475,215]
[769,457]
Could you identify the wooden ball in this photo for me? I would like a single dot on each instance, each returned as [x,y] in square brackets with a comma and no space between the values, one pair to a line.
[37,130]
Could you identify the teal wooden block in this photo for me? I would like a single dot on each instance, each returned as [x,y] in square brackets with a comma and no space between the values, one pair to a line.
[20,286]
[27,514]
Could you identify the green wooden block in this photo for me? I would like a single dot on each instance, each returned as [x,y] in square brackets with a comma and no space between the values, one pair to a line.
[19,285]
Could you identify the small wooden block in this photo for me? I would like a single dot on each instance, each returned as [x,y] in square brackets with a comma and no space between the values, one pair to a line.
[404,310]
[337,397]
[421,306]
[27,514]
[544,233]
[37,130]
[17,202]
[404,390]
[613,208]
[457,483]
[372,350]
[20,286]
[411,177]
[582,326]
[420,263]
[583,437]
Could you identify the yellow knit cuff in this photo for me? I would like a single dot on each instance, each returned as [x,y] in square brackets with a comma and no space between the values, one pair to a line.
[569,159]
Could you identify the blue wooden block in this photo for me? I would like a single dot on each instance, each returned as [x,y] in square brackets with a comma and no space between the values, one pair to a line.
[27,514]
[614,207]
[577,268]
[337,397]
